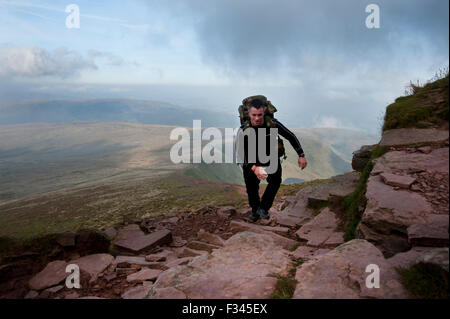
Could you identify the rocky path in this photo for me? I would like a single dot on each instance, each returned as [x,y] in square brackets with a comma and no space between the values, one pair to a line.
[219,253]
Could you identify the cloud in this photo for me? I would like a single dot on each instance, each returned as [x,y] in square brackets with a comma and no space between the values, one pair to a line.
[261,38]
[330,122]
[37,62]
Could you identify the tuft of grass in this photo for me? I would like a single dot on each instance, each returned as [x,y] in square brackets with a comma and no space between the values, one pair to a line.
[425,280]
[285,287]
[294,247]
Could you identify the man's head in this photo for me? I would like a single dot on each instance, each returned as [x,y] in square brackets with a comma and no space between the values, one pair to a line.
[256,113]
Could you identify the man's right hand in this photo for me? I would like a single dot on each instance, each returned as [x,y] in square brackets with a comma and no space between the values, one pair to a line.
[260,172]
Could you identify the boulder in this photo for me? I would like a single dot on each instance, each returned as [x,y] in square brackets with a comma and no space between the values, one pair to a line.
[341,274]
[361,157]
[94,264]
[51,275]
[239,269]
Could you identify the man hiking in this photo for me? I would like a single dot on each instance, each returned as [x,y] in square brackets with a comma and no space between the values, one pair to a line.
[257,114]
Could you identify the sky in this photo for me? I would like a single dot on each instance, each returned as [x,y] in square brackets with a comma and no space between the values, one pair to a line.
[317,61]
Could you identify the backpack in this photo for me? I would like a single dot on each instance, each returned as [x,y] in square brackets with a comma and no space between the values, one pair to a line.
[269,110]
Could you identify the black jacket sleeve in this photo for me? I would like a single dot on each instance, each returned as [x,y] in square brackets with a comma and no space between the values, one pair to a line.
[284,132]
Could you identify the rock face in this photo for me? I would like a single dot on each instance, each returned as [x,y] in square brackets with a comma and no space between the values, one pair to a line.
[402,161]
[396,219]
[388,214]
[51,275]
[341,273]
[433,232]
[239,269]
[408,136]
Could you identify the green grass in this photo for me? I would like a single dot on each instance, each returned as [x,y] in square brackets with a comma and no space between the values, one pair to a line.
[355,203]
[78,209]
[418,109]
[294,247]
[425,280]
[285,287]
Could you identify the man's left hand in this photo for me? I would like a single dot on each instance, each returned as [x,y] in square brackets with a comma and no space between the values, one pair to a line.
[302,162]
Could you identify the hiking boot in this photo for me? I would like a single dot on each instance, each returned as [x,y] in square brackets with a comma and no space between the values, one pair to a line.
[263,214]
[254,216]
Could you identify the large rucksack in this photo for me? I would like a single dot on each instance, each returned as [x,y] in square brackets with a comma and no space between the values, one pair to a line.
[269,110]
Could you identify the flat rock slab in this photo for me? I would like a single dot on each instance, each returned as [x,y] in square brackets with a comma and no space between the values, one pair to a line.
[341,274]
[239,269]
[401,181]
[433,232]
[389,213]
[136,242]
[94,264]
[395,161]
[409,136]
[320,229]
[282,241]
[144,274]
[51,275]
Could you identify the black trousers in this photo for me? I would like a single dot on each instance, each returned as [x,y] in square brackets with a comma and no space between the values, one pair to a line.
[252,185]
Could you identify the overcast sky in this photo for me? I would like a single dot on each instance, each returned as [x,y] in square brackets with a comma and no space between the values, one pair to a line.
[316,60]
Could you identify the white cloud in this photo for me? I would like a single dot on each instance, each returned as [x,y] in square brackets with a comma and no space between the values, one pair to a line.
[38,62]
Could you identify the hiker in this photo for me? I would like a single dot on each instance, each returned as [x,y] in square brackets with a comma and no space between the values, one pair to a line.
[257,112]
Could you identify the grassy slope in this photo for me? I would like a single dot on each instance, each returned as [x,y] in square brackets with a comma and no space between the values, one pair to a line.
[428,106]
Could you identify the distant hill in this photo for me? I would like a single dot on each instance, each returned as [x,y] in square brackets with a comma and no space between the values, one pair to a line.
[110,110]
[39,158]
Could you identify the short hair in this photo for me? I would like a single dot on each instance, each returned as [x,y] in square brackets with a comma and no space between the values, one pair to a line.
[257,104]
